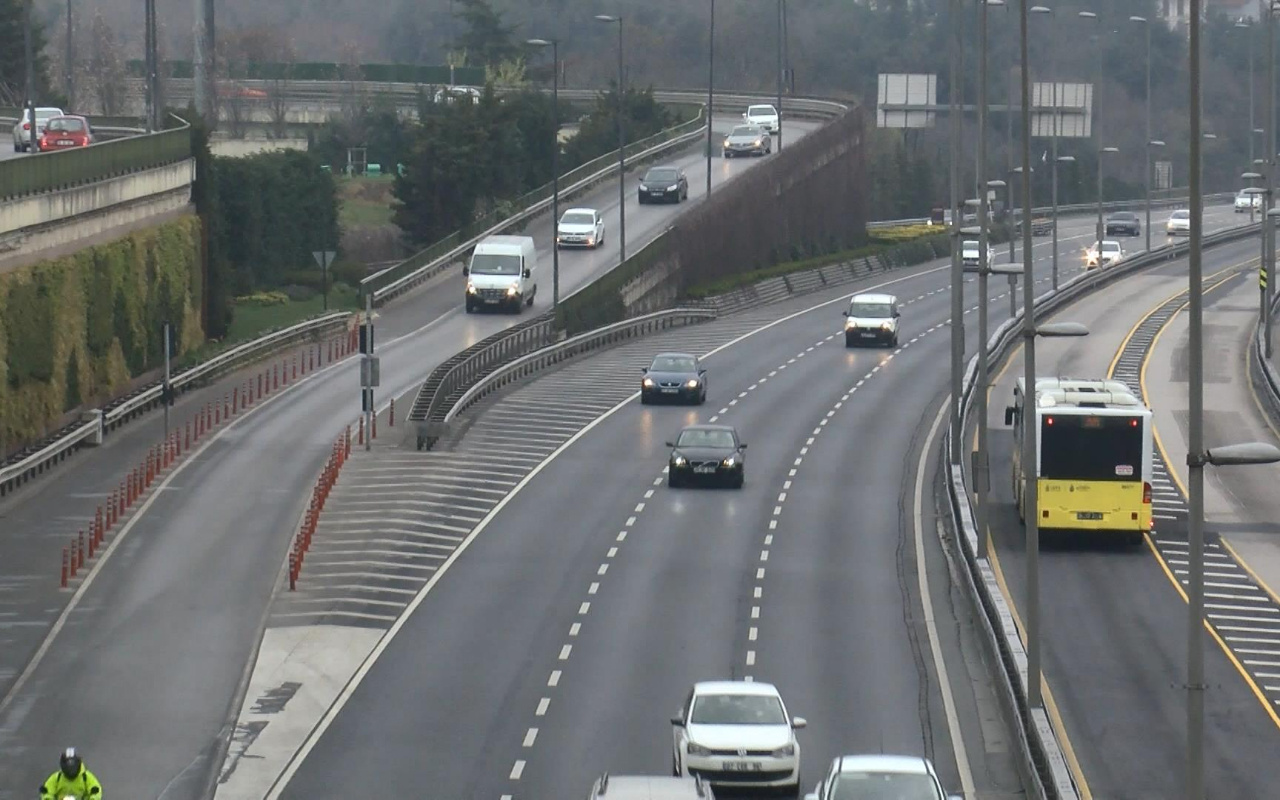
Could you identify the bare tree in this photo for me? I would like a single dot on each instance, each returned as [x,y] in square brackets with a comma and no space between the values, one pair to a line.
[455,59]
[106,63]
[278,91]
[509,73]
[354,99]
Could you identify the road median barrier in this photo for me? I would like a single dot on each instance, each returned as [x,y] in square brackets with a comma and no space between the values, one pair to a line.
[338,455]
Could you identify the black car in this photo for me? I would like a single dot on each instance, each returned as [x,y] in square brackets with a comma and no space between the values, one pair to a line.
[712,453]
[664,184]
[1123,223]
[674,376]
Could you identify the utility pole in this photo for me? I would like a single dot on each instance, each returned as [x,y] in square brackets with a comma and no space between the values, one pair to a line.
[201,68]
[1268,222]
[167,392]
[780,25]
[957,274]
[1195,441]
[30,58]
[149,40]
[68,67]
[711,86]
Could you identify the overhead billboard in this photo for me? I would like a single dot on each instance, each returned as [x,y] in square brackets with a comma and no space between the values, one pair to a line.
[1074,104]
[906,101]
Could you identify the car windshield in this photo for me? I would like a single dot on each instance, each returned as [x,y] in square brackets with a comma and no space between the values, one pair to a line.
[1123,217]
[66,125]
[701,437]
[577,218]
[1181,215]
[660,175]
[737,709]
[970,245]
[1111,247]
[745,130]
[492,264]
[673,364]
[42,114]
[884,786]
[760,111]
[870,310]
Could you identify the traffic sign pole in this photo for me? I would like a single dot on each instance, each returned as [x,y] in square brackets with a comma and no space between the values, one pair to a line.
[324,258]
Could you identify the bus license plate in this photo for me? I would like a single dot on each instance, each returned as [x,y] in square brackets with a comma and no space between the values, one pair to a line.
[1088,515]
[741,766]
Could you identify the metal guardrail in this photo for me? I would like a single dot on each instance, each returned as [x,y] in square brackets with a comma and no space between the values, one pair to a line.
[527,365]
[450,380]
[1270,376]
[1074,208]
[1046,765]
[48,172]
[20,468]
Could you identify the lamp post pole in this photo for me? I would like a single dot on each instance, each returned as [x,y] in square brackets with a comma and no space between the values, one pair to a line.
[1268,223]
[554,44]
[1147,180]
[711,84]
[68,63]
[982,472]
[622,156]
[780,25]
[1248,29]
[1053,144]
[29,58]
[1195,439]
[957,274]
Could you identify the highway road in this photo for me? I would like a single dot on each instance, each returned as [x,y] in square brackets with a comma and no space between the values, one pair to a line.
[561,642]
[1114,620]
[157,645]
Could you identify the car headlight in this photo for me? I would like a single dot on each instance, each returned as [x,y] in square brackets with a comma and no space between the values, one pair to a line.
[729,462]
[698,750]
[886,326]
[511,290]
[471,288]
[679,461]
[759,142]
[783,752]
[849,323]
[673,187]
[692,383]
[647,383]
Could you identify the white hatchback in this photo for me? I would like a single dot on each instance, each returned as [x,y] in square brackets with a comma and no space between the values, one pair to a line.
[22,129]
[737,733]
[580,227]
[765,116]
[1179,223]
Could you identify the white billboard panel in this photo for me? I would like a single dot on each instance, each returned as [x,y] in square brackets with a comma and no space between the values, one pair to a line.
[1164,175]
[919,91]
[1074,102]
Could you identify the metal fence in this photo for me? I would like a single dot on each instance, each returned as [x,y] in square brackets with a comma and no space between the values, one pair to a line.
[63,169]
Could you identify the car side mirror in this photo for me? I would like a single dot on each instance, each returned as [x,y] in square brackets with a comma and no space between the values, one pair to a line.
[528,272]
[896,313]
[677,721]
[844,313]
[742,446]
[466,270]
[1009,412]
[644,370]
[799,722]
[670,444]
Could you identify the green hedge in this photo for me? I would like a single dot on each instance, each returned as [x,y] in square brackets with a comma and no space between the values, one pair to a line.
[76,329]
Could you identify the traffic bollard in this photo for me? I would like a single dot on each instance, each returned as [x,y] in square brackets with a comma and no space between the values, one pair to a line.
[373,421]
[360,435]
[66,566]
[391,420]
[259,385]
[235,400]
[295,366]
[93,543]
[275,377]
[293,574]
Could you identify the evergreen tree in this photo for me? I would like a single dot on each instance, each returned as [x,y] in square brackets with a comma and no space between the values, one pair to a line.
[13,66]
[487,40]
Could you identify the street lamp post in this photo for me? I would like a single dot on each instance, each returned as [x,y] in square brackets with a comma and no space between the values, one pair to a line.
[1245,26]
[554,44]
[957,274]
[711,84]
[1029,333]
[1056,161]
[1147,180]
[622,144]
[1267,267]
[1053,143]
[1014,273]
[1097,84]
[780,26]
[1102,151]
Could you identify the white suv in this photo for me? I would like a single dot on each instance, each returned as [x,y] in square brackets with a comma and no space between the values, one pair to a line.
[765,116]
[871,319]
[22,130]
[737,733]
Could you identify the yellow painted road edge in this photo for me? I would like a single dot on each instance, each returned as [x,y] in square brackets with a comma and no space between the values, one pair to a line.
[1177,479]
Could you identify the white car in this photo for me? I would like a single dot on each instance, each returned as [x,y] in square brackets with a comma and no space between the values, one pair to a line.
[580,227]
[871,318]
[22,130]
[1246,201]
[879,776]
[971,252]
[765,116]
[1111,253]
[1179,223]
[450,94]
[737,733]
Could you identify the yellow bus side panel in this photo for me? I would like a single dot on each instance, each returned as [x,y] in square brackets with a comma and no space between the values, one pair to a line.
[1104,505]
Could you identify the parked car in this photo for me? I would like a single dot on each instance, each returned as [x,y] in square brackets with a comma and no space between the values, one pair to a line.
[22,129]
[65,133]
[1122,222]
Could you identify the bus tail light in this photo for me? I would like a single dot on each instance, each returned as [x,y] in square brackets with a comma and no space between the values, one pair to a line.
[1146,493]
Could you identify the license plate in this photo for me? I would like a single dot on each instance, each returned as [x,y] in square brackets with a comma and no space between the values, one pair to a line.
[65,141]
[670,391]
[868,336]
[741,766]
[491,300]
[703,470]
[1088,515]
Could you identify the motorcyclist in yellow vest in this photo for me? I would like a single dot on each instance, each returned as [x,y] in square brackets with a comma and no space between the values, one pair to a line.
[73,779]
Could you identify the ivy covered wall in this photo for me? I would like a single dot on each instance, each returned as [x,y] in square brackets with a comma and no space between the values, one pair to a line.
[75,330]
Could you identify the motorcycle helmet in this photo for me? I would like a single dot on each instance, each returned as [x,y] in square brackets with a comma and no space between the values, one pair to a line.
[70,763]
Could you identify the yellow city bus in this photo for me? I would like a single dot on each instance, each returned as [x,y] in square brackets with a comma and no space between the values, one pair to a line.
[1094,448]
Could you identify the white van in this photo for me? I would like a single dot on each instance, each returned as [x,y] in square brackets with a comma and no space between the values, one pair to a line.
[503,273]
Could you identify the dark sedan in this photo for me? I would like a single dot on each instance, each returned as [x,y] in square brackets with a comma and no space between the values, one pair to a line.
[664,185]
[713,453]
[1123,223]
[674,376]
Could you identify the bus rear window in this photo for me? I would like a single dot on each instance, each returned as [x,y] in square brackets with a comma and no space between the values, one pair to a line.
[1090,448]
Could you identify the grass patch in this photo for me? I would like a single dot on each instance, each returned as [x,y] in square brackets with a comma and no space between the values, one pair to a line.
[365,201]
[251,320]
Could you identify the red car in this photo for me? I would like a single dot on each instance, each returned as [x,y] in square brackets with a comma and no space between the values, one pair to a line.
[62,133]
